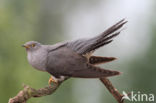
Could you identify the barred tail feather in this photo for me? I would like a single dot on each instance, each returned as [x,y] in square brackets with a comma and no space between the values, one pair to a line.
[84,46]
[105,37]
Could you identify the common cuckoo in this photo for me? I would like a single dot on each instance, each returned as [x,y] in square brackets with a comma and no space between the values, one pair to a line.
[73,58]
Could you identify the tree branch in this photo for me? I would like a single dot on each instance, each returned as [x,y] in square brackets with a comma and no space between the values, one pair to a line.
[29,92]
[112,89]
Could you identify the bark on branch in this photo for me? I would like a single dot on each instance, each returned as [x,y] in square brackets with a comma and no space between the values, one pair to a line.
[112,89]
[29,92]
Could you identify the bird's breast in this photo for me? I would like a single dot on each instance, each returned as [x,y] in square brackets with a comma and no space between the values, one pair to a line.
[38,59]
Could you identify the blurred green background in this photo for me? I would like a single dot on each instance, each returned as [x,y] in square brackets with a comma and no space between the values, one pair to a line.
[51,21]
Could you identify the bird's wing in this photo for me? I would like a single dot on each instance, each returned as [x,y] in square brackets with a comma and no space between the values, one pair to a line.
[95,60]
[93,72]
[64,62]
[56,46]
[83,46]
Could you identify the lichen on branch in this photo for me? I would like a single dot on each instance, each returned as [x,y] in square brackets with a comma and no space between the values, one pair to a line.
[29,92]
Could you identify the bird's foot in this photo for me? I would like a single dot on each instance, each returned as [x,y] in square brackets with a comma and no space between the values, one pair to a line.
[55,80]
[52,80]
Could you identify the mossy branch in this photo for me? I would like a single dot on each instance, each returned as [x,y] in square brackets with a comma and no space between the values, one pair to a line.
[29,92]
[112,89]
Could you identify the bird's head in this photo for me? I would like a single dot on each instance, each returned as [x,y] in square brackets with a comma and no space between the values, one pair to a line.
[32,45]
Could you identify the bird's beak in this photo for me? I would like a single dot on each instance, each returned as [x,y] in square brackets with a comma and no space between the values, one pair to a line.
[25,46]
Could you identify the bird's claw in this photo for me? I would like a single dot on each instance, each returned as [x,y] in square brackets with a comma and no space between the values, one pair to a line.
[52,80]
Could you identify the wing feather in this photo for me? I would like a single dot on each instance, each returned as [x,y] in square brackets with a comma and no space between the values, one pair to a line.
[65,62]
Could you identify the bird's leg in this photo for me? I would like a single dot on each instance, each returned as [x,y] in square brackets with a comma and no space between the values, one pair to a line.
[55,80]
[52,79]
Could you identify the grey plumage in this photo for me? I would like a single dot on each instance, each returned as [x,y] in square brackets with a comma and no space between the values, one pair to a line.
[65,62]
[73,58]
[83,46]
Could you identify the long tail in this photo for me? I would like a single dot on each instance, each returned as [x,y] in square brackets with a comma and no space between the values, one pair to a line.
[84,46]
[105,37]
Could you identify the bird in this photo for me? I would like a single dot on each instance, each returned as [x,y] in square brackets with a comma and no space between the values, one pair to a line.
[73,58]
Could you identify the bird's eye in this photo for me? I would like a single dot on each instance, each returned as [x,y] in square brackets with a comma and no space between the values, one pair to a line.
[33,45]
